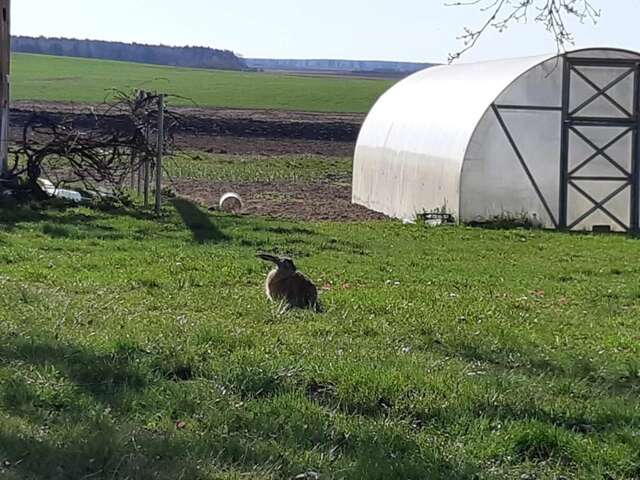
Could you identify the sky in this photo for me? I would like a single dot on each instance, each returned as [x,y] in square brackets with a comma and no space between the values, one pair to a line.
[399,30]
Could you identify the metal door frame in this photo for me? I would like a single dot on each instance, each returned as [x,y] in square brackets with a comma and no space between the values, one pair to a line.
[571,119]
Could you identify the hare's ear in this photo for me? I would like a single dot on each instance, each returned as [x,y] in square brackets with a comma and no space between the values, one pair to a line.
[268,257]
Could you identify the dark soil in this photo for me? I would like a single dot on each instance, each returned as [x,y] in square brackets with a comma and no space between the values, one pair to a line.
[264,146]
[214,121]
[320,200]
[254,132]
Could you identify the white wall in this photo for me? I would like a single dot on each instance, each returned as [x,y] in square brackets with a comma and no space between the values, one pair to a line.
[411,147]
[494,183]
[432,142]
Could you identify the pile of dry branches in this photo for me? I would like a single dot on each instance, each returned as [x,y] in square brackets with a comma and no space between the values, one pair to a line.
[123,137]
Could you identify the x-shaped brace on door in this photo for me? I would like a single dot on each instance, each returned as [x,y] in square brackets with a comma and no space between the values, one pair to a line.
[602,92]
[600,205]
[601,152]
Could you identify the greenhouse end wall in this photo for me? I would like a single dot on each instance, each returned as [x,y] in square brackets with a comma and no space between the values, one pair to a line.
[494,181]
[412,145]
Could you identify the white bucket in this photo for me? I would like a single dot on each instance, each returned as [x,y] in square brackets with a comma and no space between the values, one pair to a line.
[231,203]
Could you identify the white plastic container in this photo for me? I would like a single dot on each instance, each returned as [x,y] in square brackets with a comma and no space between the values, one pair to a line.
[231,203]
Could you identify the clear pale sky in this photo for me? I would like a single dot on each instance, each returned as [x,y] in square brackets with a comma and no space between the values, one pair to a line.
[409,30]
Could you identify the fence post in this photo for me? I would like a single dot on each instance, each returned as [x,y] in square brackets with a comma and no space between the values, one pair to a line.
[160,153]
[132,183]
[143,163]
[5,70]
[146,182]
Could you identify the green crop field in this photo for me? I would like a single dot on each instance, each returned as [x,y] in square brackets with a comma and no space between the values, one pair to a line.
[247,168]
[39,77]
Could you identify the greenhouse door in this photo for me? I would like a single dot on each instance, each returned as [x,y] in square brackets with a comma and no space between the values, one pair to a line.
[600,155]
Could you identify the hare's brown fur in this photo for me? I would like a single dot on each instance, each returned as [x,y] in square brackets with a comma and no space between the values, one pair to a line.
[286,284]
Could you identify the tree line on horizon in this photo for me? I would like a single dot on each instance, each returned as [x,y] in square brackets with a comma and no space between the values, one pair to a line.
[193,57]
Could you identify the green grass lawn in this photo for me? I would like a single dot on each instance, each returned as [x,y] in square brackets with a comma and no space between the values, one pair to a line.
[39,77]
[132,347]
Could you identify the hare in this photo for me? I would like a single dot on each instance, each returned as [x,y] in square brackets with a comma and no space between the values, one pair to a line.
[287,285]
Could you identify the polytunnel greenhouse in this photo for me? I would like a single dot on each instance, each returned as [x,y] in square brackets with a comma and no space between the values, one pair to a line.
[552,138]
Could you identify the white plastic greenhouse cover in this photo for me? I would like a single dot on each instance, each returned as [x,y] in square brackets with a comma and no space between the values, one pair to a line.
[424,132]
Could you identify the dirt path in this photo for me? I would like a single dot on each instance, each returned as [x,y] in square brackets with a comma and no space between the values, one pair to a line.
[322,200]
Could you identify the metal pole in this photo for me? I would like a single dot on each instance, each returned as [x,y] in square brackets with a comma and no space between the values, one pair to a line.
[635,162]
[5,70]
[565,144]
[160,152]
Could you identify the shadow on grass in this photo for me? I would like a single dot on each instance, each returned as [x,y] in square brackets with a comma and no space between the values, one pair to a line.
[103,376]
[92,447]
[63,220]
[198,221]
[528,362]
[111,453]
[57,433]
[577,423]
[13,214]
[101,453]
[60,219]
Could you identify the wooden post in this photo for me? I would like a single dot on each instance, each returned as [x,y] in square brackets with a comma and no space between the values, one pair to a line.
[143,163]
[5,70]
[146,182]
[132,179]
[160,153]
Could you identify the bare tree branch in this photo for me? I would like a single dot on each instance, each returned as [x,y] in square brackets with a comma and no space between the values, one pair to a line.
[101,156]
[552,14]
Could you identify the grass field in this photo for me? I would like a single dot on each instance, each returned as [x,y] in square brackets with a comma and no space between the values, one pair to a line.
[290,168]
[38,77]
[139,348]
